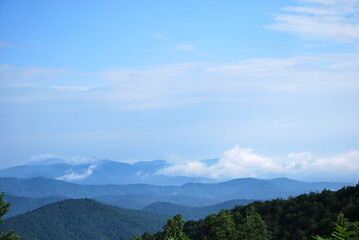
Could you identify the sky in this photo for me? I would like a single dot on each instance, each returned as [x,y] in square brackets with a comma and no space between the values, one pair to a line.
[271,88]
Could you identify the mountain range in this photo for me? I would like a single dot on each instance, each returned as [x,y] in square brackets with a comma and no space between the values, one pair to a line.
[194,200]
[135,197]
[244,188]
[100,172]
[193,213]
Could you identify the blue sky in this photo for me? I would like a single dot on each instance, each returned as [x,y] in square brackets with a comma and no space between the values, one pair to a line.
[261,81]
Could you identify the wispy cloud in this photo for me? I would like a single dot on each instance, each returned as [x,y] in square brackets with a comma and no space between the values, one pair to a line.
[41,157]
[184,83]
[22,76]
[160,36]
[5,44]
[72,88]
[72,176]
[243,162]
[185,47]
[333,20]
[8,44]
[74,160]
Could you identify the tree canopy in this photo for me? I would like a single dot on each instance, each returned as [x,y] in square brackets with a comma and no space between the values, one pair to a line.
[4,208]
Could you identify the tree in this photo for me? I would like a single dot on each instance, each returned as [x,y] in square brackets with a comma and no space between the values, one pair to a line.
[221,226]
[4,208]
[173,230]
[253,227]
[344,230]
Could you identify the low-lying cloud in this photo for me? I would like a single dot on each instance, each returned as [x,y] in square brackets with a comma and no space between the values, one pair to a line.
[73,176]
[243,162]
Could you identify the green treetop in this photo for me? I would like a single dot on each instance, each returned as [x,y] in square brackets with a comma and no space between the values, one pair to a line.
[4,208]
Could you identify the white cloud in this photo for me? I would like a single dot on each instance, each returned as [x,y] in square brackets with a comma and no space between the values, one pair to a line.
[74,160]
[184,83]
[160,36]
[72,176]
[8,44]
[80,160]
[242,162]
[12,74]
[72,88]
[185,47]
[41,157]
[334,20]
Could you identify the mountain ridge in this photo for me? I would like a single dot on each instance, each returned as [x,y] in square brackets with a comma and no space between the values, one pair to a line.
[260,189]
[99,172]
[79,219]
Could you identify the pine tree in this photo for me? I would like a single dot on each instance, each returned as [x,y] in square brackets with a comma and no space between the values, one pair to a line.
[4,208]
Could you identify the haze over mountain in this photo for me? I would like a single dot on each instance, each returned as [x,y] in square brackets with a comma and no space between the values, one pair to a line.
[20,205]
[193,213]
[100,172]
[246,188]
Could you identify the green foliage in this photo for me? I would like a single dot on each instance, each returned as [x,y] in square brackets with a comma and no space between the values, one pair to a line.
[220,227]
[344,230]
[4,208]
[84,219]
[173,230]
[293,219]
[306,215]
[253,227]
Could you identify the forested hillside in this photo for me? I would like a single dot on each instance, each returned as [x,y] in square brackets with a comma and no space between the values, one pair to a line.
[20,205]
[297,218]
[81,219]
[193,213]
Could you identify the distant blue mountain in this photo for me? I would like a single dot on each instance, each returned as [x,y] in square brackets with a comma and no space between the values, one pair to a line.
[48,161]
[193,213]
[20,205]
[99,172]
[200,194]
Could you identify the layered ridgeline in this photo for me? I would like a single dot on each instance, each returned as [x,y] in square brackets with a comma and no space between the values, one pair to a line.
[297,218]
[193,200]
[100,172]
[80,219]
[21,205]
[199,194]
[193,213]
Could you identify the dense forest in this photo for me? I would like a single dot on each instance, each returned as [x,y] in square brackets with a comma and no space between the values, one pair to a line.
[193,213]
[303,217]
[83,219]
[320,216]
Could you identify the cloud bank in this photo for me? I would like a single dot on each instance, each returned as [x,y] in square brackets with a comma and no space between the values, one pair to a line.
[334,20]
[243,162]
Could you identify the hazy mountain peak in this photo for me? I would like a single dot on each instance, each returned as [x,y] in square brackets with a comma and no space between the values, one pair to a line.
[49,161]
